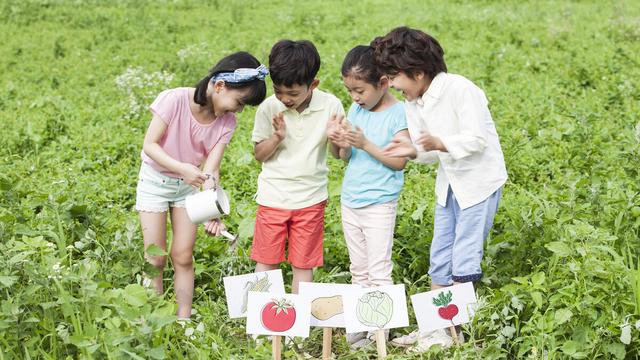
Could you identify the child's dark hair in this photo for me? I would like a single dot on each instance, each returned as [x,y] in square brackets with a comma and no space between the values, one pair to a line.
[257,88]
[410,51]
[359,64]
[293,63]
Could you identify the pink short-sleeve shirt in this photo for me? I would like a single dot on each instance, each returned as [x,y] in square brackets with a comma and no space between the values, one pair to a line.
[185,139]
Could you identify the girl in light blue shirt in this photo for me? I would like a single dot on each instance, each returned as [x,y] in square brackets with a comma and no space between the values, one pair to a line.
[372,181]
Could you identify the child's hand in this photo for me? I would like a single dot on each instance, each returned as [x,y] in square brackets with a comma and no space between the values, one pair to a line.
[214,227]
[430,142]
[356,138]
[279,126]
[400,148]
[192,175]
[335,131]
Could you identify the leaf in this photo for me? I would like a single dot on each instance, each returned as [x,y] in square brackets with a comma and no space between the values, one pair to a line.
[246,227]
[508,331]
[156,353]
[562,316]
[617,350]
[7,281]
[419,212]
[538,279]
[536,296]
[135,295]
[155,250]
[559,248]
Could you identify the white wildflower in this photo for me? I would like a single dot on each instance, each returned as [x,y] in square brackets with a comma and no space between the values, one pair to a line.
[188,331]
[200,327]
[625,335]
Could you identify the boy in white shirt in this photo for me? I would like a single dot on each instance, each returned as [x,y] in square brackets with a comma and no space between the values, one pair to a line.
[450,123]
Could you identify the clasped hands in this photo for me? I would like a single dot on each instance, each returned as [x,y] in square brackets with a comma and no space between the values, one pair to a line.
[342,134]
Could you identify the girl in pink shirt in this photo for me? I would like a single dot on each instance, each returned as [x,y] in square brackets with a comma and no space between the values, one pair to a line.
[182,151]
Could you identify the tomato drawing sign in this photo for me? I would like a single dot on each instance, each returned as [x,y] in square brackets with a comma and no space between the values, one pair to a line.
[278,314]
[444,307]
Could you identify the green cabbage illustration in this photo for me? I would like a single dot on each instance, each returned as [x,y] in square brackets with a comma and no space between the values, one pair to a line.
[375,309]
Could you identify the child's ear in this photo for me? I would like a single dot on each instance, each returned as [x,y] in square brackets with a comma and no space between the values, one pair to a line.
[383,82]
[314,84]
[218,86]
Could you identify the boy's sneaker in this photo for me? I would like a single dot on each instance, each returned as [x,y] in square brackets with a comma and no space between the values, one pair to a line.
[437,337]
[406,340]
[363,339]
[362,343]
[353,338]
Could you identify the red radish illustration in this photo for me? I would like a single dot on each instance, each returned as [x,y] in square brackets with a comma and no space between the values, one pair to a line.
[446,310]
[278,315]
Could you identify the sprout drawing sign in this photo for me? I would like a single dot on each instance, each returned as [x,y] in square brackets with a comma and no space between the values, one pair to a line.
[371,309]
[327,309]
[237,289]
[278,314]
[444,307]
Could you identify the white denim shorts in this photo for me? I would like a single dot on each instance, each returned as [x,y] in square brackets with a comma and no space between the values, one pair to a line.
[157,192]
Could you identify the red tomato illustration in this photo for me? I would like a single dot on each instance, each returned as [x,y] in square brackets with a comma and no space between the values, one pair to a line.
[278,315]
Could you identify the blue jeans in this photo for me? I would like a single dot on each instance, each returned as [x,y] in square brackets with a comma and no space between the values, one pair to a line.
[458,239]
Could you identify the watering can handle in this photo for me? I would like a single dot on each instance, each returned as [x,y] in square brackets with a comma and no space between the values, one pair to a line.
[210,176]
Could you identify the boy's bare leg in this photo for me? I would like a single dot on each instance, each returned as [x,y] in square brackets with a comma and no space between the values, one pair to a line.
[300,275]
[266,267]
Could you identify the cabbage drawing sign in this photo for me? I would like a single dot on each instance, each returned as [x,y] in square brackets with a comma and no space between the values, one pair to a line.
[371,309]
[375,309]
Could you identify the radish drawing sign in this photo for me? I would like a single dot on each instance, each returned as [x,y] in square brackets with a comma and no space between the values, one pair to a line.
[446,310]
[444,307]
[278,314]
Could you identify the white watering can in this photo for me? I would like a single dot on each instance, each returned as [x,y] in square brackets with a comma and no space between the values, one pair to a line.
[208,205]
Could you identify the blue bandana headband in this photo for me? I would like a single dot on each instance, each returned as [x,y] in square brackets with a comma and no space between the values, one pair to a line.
[242,75]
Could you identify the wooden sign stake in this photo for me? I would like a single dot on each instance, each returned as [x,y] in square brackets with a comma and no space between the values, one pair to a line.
[327,333]
[454,335]
[381,344]
[276,347]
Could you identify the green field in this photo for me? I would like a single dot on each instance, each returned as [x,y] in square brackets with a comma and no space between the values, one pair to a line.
[562,269]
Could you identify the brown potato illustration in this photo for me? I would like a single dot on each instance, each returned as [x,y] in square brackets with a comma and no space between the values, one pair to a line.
[324,308]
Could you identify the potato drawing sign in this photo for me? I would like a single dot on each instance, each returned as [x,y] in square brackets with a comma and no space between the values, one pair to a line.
[327,309]
[324,308]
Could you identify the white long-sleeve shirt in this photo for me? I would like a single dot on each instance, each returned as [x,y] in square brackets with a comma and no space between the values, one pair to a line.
[456,110]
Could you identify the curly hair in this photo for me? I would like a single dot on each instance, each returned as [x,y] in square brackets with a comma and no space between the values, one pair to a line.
[410,51]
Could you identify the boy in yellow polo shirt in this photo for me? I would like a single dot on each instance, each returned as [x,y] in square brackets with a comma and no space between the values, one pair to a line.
[290,136]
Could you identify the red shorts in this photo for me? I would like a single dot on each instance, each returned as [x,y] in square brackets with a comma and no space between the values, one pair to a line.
[303,228]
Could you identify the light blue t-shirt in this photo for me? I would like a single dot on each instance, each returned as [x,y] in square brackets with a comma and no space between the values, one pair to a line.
[367,181]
